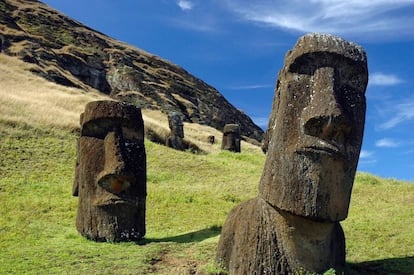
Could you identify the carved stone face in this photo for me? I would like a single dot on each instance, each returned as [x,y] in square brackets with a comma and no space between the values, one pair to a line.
[316,128]
[231,138]
[111,172]
[176,125]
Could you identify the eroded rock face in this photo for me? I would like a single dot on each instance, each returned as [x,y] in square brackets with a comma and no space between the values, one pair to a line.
[66,52]
[231,138]
[176,136]
[110,177]
[314,139]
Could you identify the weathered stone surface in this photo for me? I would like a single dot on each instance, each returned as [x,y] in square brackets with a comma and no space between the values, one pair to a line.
[313,142]
[231,138]
[316,128]
[69,53]
[176,136]
[110,176]
[259,239]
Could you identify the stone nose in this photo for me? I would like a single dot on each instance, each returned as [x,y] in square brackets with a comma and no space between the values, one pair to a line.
[324,116]
[114,177]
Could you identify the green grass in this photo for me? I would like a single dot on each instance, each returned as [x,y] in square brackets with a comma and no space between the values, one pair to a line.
[188,199]
[379,229]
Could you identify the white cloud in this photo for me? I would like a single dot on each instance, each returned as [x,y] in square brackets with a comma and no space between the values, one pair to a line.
[205,23]
[185,5]
[251,87]
[399,113]
[386,143]
[366,158]
[385,17]
[380,79]
[366,154]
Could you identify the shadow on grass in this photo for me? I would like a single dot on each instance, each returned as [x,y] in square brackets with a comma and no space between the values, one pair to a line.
[400,266]
[191,237]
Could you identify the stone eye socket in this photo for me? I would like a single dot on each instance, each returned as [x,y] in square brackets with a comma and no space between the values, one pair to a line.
[99,128]
[132,134]
[351,99]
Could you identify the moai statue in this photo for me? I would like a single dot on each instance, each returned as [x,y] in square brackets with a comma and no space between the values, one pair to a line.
[211,139]
[176,138]
[110,177]
[231,138]
[315,137]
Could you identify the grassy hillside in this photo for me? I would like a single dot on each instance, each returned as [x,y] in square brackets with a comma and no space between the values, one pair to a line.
[188,199]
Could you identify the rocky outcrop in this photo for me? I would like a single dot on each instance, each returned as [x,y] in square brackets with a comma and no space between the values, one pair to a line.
[66,52]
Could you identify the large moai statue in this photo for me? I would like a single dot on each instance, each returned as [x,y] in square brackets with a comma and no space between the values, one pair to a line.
[110,177]
[315,136]
[176,137]
[231,138]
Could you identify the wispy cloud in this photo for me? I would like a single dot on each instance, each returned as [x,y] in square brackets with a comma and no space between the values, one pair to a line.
[251,87]
[366,154]
[185,5]
[381,79]
[386,143]
[366,157]
[390,17]
[206,24]
[399,113]
[198,16]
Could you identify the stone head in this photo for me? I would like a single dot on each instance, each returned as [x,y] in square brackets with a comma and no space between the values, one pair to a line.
[231,137]
[316,128]
[110,175]
[176,124]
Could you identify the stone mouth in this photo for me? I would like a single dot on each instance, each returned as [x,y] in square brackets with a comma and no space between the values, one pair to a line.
[322,147]
[111,200]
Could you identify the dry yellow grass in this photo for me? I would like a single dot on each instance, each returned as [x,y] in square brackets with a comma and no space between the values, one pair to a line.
[29,99]
[194,133]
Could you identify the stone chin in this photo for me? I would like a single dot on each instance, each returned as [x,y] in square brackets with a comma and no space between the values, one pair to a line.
[315,184]
[325,180]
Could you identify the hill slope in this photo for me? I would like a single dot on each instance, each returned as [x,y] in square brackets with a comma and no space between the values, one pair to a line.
[189,197]
[69,53]
[28,99]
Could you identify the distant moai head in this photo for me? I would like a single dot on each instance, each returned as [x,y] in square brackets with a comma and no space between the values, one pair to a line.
[231,138]
[176,136]
[176,124]
[316,128]
[110,175]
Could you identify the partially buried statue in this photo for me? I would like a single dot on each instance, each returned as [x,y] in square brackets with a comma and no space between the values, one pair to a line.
[175,139]
[110,177]
[231,138]
[315,135]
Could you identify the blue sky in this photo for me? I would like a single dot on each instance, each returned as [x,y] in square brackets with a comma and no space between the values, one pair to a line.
[238,46]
